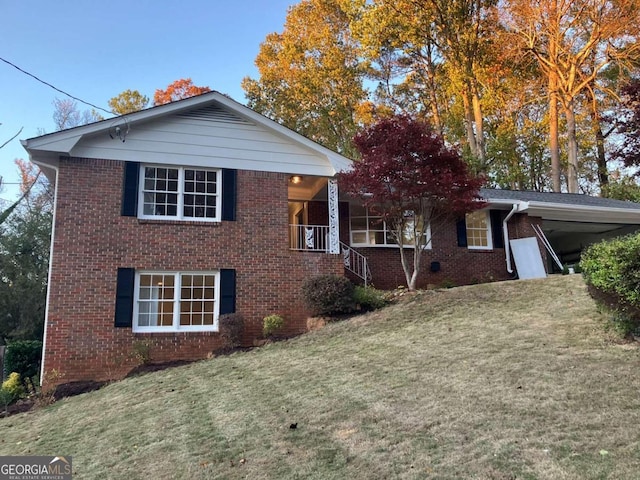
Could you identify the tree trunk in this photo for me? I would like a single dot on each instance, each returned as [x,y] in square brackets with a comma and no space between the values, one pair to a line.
[410,274]
[479,123]
[554,147]
[435,112]
[433,91]
[468,123]
[596,122]
[603,170]
[572,147]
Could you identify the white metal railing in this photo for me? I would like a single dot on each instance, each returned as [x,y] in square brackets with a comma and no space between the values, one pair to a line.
[356,263]
[314,238]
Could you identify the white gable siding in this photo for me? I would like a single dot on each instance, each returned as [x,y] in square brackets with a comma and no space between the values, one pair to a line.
[218,140]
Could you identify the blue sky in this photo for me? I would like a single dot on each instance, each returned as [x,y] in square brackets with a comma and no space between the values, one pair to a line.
[95,50]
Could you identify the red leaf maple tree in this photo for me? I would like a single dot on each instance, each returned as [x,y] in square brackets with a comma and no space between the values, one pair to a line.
[182,88]
[410,178]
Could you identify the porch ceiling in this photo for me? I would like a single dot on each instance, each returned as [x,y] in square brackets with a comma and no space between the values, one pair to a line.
[557,228]
[307,187]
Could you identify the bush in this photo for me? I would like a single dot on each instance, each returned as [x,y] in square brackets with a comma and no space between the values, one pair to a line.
[614,266]
[23,357]
[231,326]
[6,398]
[141,351]
[368,298]
[328,295]
[13,386]
[611,270]
[272,324]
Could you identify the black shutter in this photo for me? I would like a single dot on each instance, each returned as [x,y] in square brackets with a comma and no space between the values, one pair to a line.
[461,229]
[124,297]
[229,187]
[227,291]
[496,228]
[130,189]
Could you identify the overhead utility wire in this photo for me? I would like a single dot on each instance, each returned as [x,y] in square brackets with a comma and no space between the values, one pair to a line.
[55,88]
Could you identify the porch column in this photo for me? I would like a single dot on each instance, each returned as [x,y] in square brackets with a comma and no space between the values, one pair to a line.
[334,218]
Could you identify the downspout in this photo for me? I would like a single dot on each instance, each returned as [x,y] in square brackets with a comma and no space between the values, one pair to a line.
[46,311]
[505,235]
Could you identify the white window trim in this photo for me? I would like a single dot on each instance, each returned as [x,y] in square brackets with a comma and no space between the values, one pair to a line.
[489,236]
[176,327]
[386,231]
[180,193]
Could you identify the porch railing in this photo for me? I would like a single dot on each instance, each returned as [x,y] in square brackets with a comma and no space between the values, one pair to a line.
[314,238]
[356,263]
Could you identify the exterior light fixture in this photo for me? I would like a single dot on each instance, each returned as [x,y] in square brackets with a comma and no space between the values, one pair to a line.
[295,179]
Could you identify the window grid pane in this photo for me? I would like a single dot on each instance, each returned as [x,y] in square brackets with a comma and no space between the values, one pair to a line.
[477,229]
[197,300]
[201,192]
[160,191]
[367,229]
[180,193]
[155,300]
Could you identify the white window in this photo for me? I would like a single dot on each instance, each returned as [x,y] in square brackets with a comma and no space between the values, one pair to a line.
[180,193]
[176,301]
[479,230]
[369,230]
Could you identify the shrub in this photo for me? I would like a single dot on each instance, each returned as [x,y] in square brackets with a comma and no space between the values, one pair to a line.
[368,298]
[611,270]
[614,266]
[141,351]
[622,324]
[23,357]
[6,398]
[272,324]
[328,295]
[13,386]
[231,326]
[448,283]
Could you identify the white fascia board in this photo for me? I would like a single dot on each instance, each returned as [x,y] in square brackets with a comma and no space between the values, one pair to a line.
[63,141]
[584,213]
[501,202]
[576,213]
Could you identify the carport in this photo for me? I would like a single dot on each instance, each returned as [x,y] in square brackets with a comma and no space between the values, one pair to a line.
[571,222]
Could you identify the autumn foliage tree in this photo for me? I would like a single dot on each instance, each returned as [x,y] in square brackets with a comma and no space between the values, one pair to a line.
[128,101]
[311,75]
[410,178]
[182,88]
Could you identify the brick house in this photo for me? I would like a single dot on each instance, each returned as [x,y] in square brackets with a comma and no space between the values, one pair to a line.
[168,218]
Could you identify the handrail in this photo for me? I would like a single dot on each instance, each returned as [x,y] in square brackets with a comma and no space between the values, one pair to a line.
[356,263]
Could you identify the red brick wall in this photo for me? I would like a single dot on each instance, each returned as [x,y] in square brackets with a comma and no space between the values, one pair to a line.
[92,240]
[458,265]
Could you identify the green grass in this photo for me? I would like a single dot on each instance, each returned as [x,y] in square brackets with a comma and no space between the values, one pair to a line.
[500,381]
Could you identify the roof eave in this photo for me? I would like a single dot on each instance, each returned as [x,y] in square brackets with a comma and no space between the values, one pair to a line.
[584,213]
[47,148]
